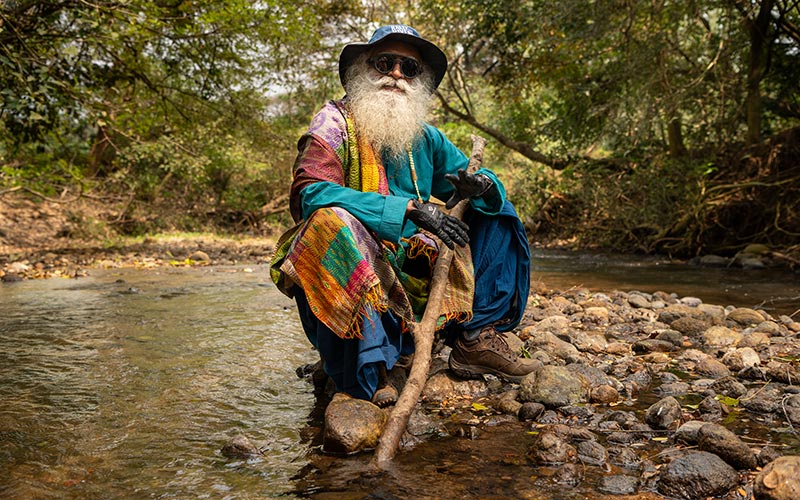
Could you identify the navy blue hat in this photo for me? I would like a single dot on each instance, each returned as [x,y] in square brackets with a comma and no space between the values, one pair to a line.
[431,54]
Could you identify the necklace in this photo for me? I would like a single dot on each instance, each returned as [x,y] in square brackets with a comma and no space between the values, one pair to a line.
[414,175]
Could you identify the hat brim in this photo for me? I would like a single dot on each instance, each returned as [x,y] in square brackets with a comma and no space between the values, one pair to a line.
[430,53]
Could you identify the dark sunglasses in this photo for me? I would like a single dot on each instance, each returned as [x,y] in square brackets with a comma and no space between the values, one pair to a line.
[384,64]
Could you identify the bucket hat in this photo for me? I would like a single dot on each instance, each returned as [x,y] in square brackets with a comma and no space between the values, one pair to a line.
[431,54]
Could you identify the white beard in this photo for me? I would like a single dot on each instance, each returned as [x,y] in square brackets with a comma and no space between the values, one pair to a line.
[388,119]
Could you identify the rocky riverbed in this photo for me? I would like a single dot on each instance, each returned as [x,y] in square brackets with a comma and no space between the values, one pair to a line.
[662,396]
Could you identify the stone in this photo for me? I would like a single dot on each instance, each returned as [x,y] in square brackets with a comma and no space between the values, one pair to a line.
[778,480]
[554,386]
[591,453]
[690,326]
[442,385]
[530,411]
[550,448]
[664,413]
[746,316]
[604,394]
[638,302]
[712,368]
[720,336]
[618,484]
[240,446]
[739,359]
[687,432]
[722,442]
[351,425]
[697,474]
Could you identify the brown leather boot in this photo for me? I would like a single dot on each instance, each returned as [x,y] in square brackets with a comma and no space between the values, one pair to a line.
[489,353]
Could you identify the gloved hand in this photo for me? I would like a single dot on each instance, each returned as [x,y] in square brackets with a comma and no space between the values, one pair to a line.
[449,229]
[467,186]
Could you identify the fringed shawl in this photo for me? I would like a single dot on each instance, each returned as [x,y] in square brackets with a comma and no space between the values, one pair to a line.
[342,268]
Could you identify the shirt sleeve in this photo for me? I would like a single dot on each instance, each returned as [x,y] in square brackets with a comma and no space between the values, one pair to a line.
[382,214]
[448,159]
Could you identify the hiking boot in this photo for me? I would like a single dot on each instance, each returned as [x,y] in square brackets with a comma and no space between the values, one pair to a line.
[489,353]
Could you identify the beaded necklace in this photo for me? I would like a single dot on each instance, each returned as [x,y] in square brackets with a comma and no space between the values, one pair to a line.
[414,175]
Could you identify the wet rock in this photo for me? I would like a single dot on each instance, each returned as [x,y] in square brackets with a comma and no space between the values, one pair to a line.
[422,424]
[240,446]
[764,399]
[554,386]
[568,475]
[711,409]
[673,388]
[507,403]
[745,316]
[664,413]
[10,277]
[725,444]
[771,328]
[530,411]
[200,256]
[697,474]
[687,432]
[542,337]
[767,455]
[623,457]
[778,480]
[618,485]
[791,407]
[591,453]
[351,425]
[549,448]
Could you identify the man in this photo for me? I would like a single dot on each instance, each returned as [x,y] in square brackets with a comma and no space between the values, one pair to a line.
[359,262]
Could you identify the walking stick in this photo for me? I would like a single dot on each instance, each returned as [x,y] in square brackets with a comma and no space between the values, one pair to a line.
[423,333]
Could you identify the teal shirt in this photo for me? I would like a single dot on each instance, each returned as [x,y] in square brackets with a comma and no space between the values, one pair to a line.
[434,156]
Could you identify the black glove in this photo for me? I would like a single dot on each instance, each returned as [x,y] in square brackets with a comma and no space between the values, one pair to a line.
[467,186]
[448,228]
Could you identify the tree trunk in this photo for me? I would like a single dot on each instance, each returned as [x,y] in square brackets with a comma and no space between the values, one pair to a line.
[675,138]
[757,68]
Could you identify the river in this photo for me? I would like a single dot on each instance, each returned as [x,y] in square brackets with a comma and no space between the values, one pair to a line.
[126,383]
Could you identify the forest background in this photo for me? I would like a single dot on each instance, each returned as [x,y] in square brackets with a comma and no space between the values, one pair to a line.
[648,126]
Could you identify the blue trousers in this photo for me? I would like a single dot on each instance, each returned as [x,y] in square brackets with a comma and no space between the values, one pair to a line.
[501,259]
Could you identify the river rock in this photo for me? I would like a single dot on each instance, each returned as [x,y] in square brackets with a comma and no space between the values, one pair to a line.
[674,337]
[697,474]
[530,411]
[638,301]
[745,316]
[351,425]
[622,456]
[687,432]
[550,448]
[763,399]
[652,345]
[716,439]
[729,386]
[591,452]
[554,386]
[442,385]
[721,336]
[778,480]
[549,342]
[603,394]
[739,359]
[791,407]
[664,413]
[240,446]
[618,484]
[691,326]
[712,368]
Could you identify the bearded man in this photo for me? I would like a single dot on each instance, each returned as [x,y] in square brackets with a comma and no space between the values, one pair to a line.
[360,260]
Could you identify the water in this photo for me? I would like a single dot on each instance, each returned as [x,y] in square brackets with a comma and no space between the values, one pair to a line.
[126,384]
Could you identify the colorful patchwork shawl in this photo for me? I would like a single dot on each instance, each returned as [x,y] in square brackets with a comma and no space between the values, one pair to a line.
[344,269]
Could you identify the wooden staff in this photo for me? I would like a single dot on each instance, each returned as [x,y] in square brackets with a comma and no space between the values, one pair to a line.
[423,333]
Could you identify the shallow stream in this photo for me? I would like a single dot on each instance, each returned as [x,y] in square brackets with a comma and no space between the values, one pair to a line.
[126,384]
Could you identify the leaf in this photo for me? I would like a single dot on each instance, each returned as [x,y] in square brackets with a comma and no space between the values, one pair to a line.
[479,407]
[727,400]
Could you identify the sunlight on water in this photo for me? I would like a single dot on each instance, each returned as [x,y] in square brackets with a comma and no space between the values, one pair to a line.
[126,384]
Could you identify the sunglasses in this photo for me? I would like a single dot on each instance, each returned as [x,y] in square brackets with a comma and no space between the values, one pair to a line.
[385,63]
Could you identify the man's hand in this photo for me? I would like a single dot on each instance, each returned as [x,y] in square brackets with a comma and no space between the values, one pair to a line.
[450,230]
[467,186]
